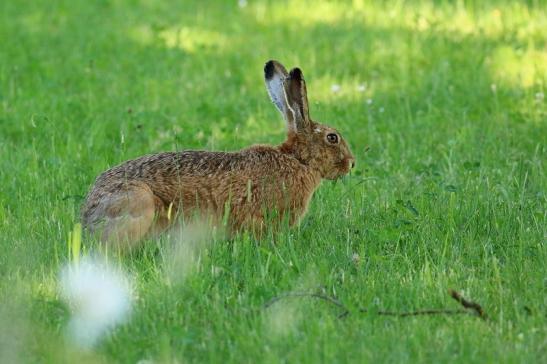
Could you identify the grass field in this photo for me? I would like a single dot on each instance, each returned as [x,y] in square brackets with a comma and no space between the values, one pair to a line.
[447,96]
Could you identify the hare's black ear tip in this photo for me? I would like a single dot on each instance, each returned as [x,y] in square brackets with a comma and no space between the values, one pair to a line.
[269,69]
[296,74]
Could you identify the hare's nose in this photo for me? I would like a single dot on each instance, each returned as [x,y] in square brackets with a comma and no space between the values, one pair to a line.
[352,163]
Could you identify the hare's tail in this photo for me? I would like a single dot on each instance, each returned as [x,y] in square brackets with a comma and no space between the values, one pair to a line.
[124,217]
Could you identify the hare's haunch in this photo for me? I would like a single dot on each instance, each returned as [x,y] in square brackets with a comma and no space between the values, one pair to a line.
[142,197]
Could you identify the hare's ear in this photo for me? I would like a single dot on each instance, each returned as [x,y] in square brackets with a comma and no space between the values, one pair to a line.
[275,75]
[297,99]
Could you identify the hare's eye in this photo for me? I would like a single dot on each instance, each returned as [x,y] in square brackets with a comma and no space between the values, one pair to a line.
[332,138]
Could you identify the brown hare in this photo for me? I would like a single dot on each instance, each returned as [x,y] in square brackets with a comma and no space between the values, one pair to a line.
[142,197]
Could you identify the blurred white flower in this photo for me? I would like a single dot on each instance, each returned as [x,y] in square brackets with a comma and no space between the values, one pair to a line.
[145,361]
[283,318]
[369,101]
[242,3]
[381,110]
[99,297]
[216,271]
[539,96]
[361,87]
[182,257]
[493,87]
[335,88]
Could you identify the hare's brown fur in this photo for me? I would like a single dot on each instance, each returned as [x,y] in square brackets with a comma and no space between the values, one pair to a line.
[142,197]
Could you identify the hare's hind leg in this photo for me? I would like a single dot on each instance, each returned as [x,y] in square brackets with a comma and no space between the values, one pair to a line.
[126,216]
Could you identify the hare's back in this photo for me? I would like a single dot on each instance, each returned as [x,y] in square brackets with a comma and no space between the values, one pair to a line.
[191,162]
[200,163]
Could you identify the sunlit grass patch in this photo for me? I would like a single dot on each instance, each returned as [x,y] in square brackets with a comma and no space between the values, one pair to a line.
[189,39]
[519,67]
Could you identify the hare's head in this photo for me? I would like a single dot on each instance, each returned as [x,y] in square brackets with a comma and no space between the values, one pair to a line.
[319,146]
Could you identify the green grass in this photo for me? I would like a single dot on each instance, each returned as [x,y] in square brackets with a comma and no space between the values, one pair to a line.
[452,193]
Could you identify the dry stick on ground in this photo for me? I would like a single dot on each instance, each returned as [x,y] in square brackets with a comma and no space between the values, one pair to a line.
[468,305]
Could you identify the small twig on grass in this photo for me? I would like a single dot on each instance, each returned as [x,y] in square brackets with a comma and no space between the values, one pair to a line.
[468,304]
[414,313]
[470,307]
